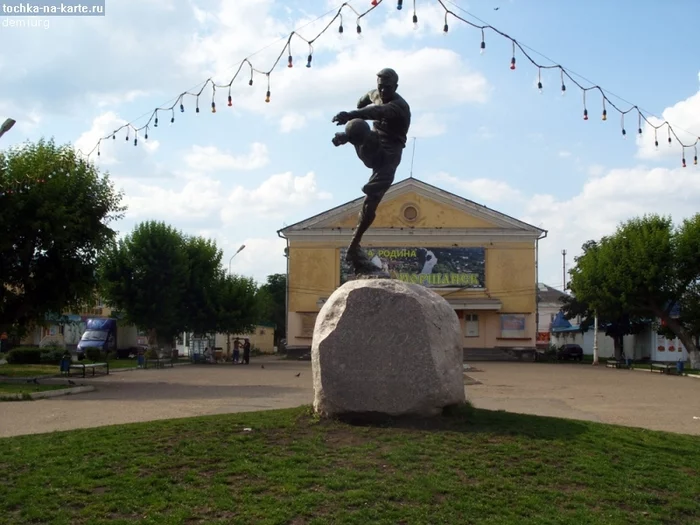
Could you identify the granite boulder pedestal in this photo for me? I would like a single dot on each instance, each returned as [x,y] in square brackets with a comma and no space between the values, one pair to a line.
[385,347]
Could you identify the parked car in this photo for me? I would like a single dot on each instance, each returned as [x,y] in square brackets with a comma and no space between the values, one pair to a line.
[570,351]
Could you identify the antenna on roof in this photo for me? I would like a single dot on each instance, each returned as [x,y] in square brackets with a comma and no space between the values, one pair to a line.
[413,156]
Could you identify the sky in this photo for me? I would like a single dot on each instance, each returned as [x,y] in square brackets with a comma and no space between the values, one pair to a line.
[482,130]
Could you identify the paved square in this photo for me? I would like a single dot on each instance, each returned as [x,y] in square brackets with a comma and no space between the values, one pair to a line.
[622,397]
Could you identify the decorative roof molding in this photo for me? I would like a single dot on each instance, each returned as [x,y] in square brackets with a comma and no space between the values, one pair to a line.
[502,221]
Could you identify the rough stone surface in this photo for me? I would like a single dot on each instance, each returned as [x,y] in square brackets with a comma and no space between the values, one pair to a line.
[381,346]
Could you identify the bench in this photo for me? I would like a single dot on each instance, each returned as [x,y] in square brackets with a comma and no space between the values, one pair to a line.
[665,368]
[616,363]
[93,366]
[159,363]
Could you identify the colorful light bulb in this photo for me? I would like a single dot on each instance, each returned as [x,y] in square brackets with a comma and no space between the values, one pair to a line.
[512,63]
[213,107]
[308,61]
[230,101]
[585,114]
[399,5]
[182,108]
[267,97]
[605,114]
[289,61]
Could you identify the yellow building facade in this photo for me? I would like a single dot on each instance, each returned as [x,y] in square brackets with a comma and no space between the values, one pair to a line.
[484,263]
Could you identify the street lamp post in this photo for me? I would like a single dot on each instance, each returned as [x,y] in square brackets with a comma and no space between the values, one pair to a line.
[6,126]
[231,259]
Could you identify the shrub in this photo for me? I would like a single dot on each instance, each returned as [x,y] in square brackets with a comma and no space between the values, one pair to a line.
[51,355]
[24,355]
[93,354]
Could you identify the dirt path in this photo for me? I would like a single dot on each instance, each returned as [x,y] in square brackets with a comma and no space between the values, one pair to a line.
[622,397]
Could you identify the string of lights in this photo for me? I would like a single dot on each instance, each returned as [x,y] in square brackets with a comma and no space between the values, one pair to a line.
[565,76]
[132,131]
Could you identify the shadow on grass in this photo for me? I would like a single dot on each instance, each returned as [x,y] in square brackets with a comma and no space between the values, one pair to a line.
[467,419]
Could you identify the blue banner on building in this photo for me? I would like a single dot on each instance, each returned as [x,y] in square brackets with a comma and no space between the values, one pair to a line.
[431,267]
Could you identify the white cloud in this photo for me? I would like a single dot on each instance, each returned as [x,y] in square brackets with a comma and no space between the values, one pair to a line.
[342,69]
[480,190]
[604,201]
[275,197]
[102,126]
[203,199]
[292,121]
[209,158]
[428,125]
[260,258]
[144,39]
[684,116]
[608,198]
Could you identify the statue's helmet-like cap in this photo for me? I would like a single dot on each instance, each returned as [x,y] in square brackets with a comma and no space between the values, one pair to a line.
[389,75]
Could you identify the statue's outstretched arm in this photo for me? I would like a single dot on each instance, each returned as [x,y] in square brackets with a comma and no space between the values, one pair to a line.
[376,112]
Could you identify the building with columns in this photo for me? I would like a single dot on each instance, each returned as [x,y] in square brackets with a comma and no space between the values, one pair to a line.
[482,261]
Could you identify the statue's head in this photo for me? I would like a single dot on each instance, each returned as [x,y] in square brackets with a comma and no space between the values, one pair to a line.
[387,83]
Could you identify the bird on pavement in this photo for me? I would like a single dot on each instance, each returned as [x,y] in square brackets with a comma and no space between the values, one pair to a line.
[71,382]
[298,374]
[262,366]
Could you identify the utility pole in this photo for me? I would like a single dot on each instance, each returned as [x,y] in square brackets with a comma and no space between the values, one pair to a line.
[595,337]
[563,271]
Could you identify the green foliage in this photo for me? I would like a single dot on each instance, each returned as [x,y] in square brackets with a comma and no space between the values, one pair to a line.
[205,277]
[51,232]
[93,353]
[237,305]
[272,303]
[51,355]
[146,276]
[170,283]
[24,356]
[641,270]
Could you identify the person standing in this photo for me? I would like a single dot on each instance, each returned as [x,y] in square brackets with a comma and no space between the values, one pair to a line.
[236,350]
[246,352]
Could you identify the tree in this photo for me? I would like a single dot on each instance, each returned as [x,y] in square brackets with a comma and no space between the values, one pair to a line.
[147,276]
[687,314]
[643,270]
[237,310]
[200,307]
[615,325]
[55,215]
[272,301]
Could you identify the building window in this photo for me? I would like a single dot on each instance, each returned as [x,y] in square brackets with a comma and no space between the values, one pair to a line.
[513,326]
[409,212]
[472,325]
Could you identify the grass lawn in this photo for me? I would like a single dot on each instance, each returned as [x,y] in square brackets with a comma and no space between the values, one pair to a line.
[28,370]
[475,466]
[23,388]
